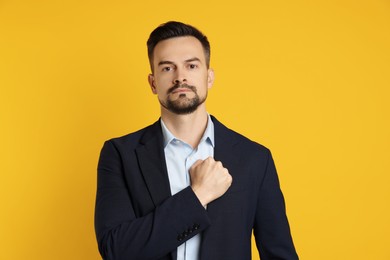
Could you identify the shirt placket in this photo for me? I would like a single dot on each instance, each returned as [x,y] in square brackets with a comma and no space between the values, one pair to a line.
[190,160]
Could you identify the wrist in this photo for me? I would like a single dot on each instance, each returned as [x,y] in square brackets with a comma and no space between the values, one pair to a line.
[202,196]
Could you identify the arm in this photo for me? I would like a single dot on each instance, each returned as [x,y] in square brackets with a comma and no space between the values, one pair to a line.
[271,229]
[121,235]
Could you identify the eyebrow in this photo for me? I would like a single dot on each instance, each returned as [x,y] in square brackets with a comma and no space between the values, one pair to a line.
[165,62]
[172,63]
[192,59]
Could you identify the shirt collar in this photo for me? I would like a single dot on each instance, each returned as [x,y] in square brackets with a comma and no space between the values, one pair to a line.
[208,134]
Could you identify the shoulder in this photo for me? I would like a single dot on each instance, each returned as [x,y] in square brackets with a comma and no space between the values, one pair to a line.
[239,142]
[134,139]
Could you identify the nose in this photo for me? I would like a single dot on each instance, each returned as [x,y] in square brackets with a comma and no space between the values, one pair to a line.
[179,77]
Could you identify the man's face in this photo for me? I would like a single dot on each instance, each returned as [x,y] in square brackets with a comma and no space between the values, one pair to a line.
[181,78]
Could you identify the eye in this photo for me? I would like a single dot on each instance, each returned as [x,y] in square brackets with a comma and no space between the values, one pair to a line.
[166,69]
[193,66]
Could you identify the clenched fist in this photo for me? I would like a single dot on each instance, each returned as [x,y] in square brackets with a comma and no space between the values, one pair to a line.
[209,180]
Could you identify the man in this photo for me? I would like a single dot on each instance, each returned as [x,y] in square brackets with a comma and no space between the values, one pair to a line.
[187,187]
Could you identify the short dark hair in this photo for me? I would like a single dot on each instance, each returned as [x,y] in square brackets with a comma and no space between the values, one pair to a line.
[173,29]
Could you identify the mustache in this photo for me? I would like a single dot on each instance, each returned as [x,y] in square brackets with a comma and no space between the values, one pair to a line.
[178,85]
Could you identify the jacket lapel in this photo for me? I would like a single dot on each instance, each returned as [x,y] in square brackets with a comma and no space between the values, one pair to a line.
[151,160]
[224,145]
[224,150]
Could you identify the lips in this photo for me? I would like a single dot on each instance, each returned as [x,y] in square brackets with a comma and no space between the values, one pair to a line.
[181,90]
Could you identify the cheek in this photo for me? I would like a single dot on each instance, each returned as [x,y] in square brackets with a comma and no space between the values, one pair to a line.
[163,82]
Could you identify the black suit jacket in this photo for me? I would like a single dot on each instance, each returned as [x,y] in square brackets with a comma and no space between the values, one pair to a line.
[136,217]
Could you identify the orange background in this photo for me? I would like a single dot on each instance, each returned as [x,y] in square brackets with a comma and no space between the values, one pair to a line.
[308,79]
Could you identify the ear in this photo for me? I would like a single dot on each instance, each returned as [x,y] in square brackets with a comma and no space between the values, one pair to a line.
[152,83]
[210,78]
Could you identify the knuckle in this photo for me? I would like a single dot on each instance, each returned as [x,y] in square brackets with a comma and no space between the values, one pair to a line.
[211,159]
[229,178]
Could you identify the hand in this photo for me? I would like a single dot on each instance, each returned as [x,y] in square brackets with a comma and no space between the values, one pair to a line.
[209,180]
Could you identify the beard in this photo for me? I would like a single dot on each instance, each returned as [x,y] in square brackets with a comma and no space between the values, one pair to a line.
[182,105]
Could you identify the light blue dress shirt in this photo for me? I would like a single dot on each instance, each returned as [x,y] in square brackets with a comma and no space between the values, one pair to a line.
[179,157]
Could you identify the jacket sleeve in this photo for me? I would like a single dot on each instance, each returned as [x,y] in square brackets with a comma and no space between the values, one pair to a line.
[122,235]
[271,229]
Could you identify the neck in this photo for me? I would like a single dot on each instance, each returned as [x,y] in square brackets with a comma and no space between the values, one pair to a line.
[189,128]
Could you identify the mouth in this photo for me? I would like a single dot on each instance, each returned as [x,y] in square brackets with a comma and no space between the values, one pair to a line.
[181,90]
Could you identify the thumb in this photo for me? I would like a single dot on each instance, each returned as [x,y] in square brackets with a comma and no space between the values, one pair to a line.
[196,164]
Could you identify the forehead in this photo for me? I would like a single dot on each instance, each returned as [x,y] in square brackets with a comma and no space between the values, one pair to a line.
[178,49]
